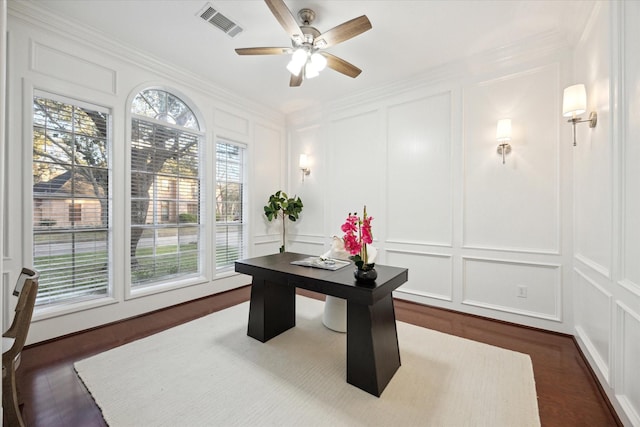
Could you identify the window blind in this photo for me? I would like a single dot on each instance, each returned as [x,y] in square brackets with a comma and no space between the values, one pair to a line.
[165,190]
[71,199]
[230,226]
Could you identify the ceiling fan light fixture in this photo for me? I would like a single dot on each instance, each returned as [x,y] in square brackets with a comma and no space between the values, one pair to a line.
[320,43]
[310,70]
[319,61]
[299,56]
[298,59]
[307,41]
[294,68]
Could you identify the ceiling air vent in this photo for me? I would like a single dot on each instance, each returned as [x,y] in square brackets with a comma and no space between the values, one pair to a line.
[218,20]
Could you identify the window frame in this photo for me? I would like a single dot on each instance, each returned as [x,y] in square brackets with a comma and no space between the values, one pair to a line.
[130,291]
[45,311]
[244,223]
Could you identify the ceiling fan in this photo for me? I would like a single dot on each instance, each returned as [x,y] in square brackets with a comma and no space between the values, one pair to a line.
[308,57]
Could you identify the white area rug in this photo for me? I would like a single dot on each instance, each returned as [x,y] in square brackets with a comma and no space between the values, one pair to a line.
[210,373]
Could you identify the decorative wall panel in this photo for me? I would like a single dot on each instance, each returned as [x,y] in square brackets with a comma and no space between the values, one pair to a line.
[592,176]
[306,141]
[631,148]
[71,68]
[229,121]
[355,168]
[628,378]
[513,206]
[525,288]
[593,319]
[266,160]
[419,170]
[429,274]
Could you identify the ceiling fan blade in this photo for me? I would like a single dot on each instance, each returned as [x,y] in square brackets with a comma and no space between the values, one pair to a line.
[284,17]
[263,50]
[341,66]
[295,80]
[342,32]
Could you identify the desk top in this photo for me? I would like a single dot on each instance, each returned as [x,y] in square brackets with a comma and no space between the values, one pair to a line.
[340,283]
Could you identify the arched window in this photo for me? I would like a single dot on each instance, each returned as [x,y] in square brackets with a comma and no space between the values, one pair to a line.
[166,236]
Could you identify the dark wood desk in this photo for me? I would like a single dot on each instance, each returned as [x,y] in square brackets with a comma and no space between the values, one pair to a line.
[373,356]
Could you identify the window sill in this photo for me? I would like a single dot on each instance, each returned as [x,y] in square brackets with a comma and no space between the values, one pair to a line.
[165,287]
[61,309]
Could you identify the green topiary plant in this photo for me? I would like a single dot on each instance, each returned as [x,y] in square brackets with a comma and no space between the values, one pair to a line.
[281,205]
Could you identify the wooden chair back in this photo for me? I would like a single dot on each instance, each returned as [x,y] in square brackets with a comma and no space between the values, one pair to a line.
[15,337]
[26,289]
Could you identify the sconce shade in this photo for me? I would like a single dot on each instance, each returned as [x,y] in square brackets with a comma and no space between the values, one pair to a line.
[503,130]
[303,162]
[574,101]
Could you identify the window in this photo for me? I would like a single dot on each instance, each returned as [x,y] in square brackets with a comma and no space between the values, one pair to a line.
[165,189]
[75,213]
[230,227]
[71,199]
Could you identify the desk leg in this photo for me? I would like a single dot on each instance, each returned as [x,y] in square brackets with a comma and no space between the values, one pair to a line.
[373,356]
[272,309]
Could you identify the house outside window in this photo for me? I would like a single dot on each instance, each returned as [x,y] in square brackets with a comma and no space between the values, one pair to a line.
[75,213]
[165,243]
[230,195]
[71,199]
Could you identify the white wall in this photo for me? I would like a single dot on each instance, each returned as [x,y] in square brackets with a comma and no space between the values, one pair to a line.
[560,221]
[422,156]
[607,205]
[3,75]
[48,54]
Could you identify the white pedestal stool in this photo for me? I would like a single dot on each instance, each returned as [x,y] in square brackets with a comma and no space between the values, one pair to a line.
[334,316]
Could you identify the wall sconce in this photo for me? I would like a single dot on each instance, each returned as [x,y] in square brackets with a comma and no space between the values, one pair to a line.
[574,103]
[304,165]
[503,135]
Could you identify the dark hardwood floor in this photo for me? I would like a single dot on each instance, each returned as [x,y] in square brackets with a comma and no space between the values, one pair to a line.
[53,396]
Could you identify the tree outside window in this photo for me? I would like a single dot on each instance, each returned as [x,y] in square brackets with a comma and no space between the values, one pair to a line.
[165,189]
[71,199]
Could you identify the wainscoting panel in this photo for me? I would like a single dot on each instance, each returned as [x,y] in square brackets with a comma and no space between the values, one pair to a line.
[419,159]
[631,148]
[71,68]
[593,191]
[593,320]
[513,206]
[356,157]
[600,269]
[430,275]
[232,122]
[312,245]
[306,140]
[628,375]
[266,163]
[266,245]
[530,289]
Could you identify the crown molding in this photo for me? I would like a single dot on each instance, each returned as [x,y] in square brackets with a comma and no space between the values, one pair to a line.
[527,51]
[29,12]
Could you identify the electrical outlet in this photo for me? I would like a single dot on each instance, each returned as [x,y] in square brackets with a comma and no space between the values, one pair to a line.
[522,291]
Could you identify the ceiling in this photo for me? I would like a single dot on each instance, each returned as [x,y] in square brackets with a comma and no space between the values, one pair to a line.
[407,39]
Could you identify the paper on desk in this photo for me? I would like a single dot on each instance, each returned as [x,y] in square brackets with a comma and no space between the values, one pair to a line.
[324,263]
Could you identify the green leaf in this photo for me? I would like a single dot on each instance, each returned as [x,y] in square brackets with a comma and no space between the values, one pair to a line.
[291,207]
